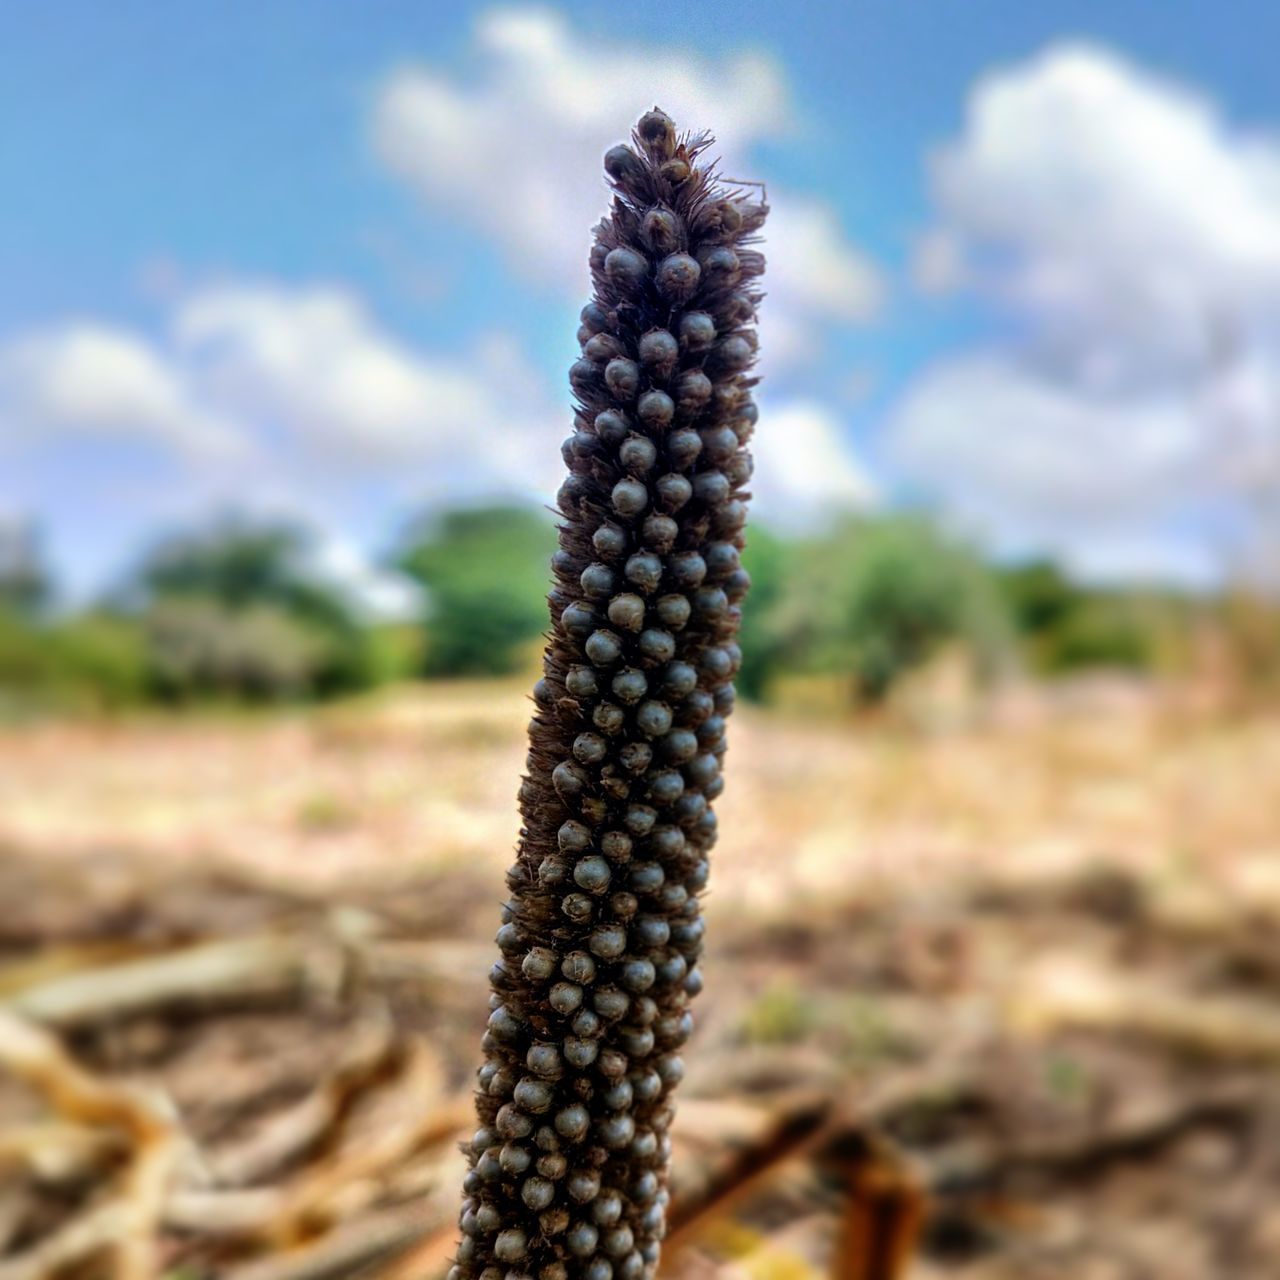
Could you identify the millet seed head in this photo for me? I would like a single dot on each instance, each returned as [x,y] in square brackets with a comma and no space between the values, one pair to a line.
[602,930]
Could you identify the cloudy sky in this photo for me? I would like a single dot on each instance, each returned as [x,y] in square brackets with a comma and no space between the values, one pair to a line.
[324,260]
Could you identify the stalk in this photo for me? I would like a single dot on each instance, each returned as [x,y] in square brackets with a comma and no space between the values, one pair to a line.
[602,932]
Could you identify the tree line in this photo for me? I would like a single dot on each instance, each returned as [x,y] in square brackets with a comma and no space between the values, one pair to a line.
[236,611]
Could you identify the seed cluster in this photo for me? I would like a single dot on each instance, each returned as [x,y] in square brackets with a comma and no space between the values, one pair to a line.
[602,932]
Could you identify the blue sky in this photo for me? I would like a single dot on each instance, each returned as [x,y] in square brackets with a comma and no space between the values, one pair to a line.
[242,265]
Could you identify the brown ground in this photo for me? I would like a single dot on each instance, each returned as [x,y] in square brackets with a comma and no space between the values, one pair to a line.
[1039,957]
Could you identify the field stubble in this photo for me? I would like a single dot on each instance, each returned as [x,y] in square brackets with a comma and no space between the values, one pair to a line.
[1038,954]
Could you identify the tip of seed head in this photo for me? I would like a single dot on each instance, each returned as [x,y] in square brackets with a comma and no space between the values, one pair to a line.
[657,131]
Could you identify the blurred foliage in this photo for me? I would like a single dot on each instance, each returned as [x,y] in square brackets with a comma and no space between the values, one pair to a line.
[93,662]
[395,650]
[874,599]
[239,611]
[1101,633]
[235,611]
[102,660]
[1066,627]
[1251,642]
[1039,595]
[486,575]
[201,646]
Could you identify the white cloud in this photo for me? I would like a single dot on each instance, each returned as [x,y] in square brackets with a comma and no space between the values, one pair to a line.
[1146,556]
[90,380]
[937,262]
[811,259]
[815,277]
[804,469]
[1119,487]
[517,153]
[1135,237]
[1033,464]
[1114,195]
[1000,438]
[284,402]
[315,363]
[268,382]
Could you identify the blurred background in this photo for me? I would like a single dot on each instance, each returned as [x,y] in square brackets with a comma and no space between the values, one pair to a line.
[290,293]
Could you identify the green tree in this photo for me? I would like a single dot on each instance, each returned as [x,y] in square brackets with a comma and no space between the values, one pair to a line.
[98,661]
[1066,627]
[236,610]
[1041,597]
[1104,630]
[878,598]
[92,662]
[485,570]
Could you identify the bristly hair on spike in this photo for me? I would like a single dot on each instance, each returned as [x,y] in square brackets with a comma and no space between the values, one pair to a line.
[600,938]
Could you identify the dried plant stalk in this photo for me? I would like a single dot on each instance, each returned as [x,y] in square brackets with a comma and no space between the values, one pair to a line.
[602,933]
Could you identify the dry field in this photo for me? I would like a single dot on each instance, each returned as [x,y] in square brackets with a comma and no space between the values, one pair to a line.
[1009,988]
